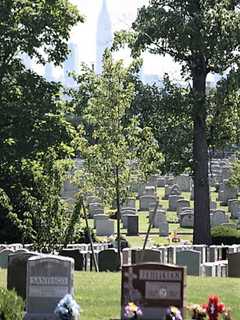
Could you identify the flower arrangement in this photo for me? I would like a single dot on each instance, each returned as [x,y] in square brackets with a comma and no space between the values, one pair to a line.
[132,311]
[212,310]
[197,312]
[67,308]
[173,313]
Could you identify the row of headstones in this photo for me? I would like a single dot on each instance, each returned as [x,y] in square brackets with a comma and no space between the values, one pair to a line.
[44,280]
[6,250]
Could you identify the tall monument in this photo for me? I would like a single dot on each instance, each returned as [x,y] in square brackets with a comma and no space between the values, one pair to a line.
[103,36]
[70,64]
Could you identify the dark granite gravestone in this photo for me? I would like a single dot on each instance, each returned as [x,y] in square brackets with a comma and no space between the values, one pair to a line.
[49,279]
[17,272]
[132,225]
[234,265]
[108,260]
[154,287]
[79,258]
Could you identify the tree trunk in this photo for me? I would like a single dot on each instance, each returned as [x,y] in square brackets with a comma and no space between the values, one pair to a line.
[201,233]
[118,216]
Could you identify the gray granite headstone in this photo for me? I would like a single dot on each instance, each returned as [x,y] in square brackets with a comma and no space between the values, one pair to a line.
[4,257]
[148,255]
[49,279]
[17,272]
[191,259]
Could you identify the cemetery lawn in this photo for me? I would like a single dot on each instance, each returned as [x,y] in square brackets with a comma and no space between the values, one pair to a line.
[99,293]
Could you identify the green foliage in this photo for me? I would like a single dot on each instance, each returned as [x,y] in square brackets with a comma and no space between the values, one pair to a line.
[117,144]
[11,306]
[167,111]
[203,36]
[235,174]
[27,26]
[36,140]
[224,113]
[225,235]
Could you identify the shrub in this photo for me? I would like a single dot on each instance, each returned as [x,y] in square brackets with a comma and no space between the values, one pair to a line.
[11,305]
[225,235]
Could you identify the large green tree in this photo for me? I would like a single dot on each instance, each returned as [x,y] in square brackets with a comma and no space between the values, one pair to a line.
[118,151]
[203,36]
[35,138]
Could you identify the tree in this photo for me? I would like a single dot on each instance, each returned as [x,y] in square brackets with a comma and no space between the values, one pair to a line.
[166,110]
[118,149]
[36,141]
[202,35]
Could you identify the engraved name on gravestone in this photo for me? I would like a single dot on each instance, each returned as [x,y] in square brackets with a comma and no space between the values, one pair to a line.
[154,287]
[49,279]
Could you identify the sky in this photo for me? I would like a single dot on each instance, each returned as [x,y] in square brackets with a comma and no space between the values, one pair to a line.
[122,13]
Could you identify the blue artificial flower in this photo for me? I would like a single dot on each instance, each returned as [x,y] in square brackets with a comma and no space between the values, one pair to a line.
[67,308]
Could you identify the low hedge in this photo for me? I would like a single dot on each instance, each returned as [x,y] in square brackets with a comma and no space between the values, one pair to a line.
[225,235]
[11,305]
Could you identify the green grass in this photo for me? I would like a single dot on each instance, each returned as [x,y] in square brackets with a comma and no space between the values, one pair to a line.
[99,293]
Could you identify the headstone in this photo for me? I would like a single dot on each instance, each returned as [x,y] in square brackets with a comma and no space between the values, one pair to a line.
[95,208]
[108,260]
[182,203]
[129,203]
[164,229]
[147,255]
[234,265]
[149,190]
[159,219]
[175,190]
[154,287]
[104,227]
[49,279]
[78,257]
[99,217]
[4,257]
[184,182]
[173,202]
[191,259]
[186,220]
[234,208]
[17,272]
[132,225]
[145,202]
[218,217]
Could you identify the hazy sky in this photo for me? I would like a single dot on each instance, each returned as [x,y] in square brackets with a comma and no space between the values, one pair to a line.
[122,13]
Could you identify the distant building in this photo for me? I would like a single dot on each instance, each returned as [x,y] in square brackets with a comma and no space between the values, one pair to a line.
[104,35]
[71,64]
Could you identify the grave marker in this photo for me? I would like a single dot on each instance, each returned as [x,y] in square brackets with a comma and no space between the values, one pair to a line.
[49,279]
[154,287]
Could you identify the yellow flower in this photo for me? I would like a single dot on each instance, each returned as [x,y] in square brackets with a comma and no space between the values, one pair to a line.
[132,307]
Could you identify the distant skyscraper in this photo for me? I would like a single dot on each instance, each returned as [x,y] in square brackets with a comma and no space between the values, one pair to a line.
[71,64]
[103,36]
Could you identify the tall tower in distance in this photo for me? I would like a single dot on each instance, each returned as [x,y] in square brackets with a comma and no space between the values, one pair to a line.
[70,64]
[103,35]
